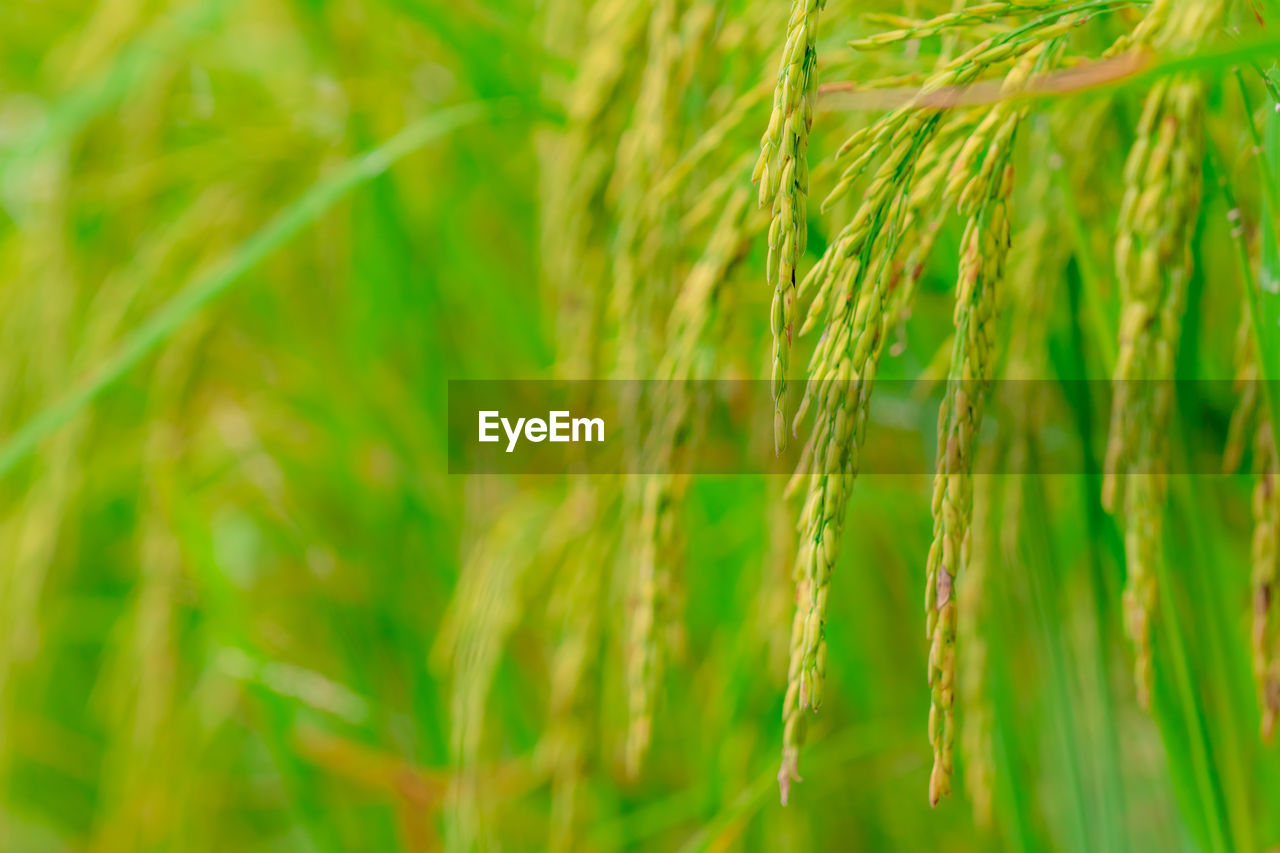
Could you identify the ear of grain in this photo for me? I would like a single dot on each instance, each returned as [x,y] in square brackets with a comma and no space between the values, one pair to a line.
[470,645]
[983,251]
[1251,419]
[1266,561]
[660,543]
[1157,216]
[783,174]
[577,612]
[852,282]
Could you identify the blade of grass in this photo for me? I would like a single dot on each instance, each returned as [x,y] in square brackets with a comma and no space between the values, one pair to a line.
[204,289]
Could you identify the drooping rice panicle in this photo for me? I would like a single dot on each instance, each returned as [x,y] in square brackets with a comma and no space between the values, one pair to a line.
[782,171]
[977,14]
[1251,423]
[660,551]
[1266,562]
[983,249]
[845,392]
[853,278]
[1251,419]
[1153,259]
[642,272]
[470,645]
[573,219]
[580,543]
[823,514]
[842,371]
[577,215]
[643,283]
[997,499]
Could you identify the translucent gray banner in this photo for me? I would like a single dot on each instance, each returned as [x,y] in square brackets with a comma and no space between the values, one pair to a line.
[726,427]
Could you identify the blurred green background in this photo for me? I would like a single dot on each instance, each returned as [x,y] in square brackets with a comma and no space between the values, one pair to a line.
[244,607]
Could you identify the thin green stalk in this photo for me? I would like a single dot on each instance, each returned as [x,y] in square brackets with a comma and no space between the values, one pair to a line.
[189,301]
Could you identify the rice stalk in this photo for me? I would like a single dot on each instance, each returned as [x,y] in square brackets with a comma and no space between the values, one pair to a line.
[832,466]
[643,275]
[484,612]
[984,247]
[660,549]
[908,29]
[998,503]
[576,170]
[1251,423]
[857,270]
[641,260]
[852,281]
[578,613]
[1156,220]
[782,171]
[1266,559]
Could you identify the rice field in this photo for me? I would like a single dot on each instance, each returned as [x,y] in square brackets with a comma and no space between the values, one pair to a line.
[973,547]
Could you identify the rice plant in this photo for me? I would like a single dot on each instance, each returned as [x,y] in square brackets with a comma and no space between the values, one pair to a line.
[974,303]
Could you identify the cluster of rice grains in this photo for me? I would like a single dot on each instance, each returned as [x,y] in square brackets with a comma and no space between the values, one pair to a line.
[1266,556]
[647,217]
[643,229]
[936,152]
[1153,263]
[782,172]
[1251,424]
[921,161]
